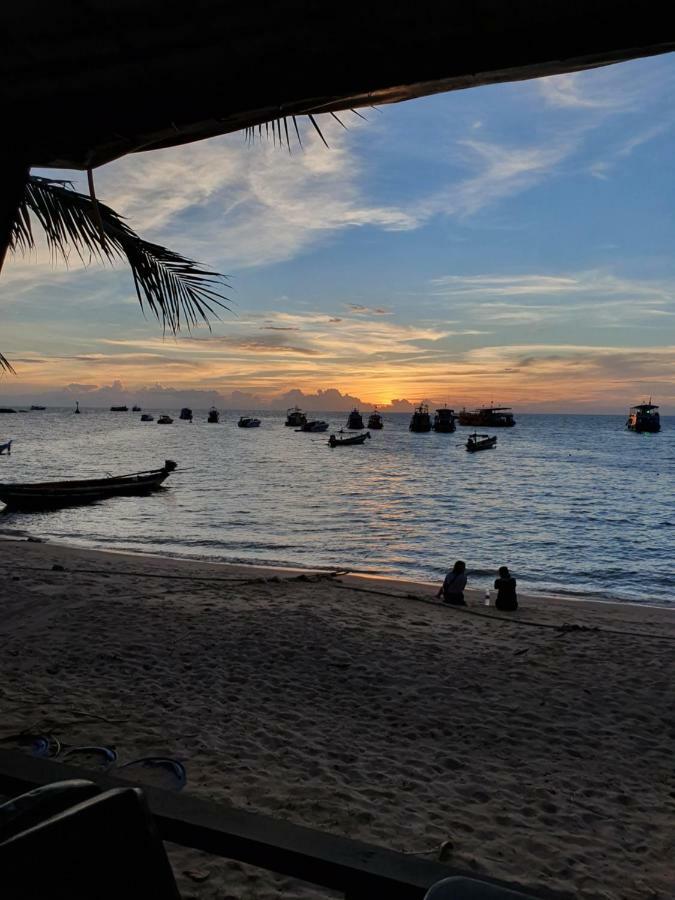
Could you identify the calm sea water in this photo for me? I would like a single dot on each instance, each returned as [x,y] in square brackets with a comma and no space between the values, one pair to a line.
[573,504]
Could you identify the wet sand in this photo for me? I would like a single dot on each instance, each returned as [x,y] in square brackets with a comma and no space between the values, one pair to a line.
[539,743]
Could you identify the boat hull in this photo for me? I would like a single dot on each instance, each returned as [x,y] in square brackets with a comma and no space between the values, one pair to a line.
[477,446]
[56,494]
[348,442]
[644,427]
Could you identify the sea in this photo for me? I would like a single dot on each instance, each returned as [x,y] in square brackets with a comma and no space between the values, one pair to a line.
[575,505]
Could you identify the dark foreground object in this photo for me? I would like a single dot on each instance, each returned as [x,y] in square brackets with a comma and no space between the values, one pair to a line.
[54,494]
[110,839]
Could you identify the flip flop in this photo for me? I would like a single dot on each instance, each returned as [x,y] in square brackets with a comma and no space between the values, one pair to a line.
[45,746]
[108,756]
[176,768]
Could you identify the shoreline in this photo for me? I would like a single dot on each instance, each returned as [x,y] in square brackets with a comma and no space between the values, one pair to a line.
[353,575]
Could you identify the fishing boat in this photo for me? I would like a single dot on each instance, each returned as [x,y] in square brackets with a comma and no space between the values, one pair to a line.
[488,417]
[146,417]
[186,414]
[35,407]
[644,417]
[46,494]
[213,416]
[76,411]
[355,420]
[6,409]
[444,420]
[135,409]
[314,426]
[248,422]
[295,417]
[348,441]
[119,409]
[165,420]
[375,421]
[6,448]
[421,420]
[478,442]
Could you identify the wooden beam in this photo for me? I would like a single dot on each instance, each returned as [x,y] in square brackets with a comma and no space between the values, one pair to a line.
[353,867]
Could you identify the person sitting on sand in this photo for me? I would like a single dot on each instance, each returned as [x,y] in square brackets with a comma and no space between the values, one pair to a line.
[452,589]
[507,599]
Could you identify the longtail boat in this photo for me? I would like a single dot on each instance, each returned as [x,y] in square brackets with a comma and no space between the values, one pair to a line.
[53,494]
[480,442]
[348,441]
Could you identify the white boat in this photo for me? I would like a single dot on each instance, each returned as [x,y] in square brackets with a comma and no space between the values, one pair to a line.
[6,447]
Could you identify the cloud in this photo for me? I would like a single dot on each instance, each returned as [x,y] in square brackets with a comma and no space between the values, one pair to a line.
[500,171]
[265,204]
[577,91]
[360,310]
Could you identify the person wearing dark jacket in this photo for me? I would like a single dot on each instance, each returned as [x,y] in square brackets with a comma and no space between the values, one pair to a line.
[507,599]
[452,589]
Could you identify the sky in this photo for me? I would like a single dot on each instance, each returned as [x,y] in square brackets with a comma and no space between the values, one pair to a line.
[512,243]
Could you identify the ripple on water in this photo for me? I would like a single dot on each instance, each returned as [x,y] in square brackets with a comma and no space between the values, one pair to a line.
[570,503]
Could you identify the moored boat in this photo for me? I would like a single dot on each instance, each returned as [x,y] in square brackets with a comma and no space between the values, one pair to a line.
[186,414]
[488,417]
[478,442]
[348,441]
[119,409]
[6,448]
[444,420]
[248,422]
[295,417]
[644,417]
[355,420]
[35,407]
[314,426]
[375,421]
[213,416]
[135,409]
[421,420]
[6,409]
[43,495]
[165,420]
[146,417]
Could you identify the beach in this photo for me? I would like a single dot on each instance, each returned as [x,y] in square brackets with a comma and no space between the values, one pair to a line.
[536,746]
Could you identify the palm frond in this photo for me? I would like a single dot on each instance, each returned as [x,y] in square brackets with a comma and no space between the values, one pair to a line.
[283,138]
[5,365]
[179,291]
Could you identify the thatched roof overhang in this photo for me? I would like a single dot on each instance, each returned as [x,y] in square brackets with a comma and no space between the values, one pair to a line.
[83,82]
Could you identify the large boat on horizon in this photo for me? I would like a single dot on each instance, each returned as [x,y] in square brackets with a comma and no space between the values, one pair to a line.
[488,417]
[644,417]
[355,420]
[444,420]
[295,417]
[421,420]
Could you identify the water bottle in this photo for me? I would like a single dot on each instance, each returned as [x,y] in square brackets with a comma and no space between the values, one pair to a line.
[487,598]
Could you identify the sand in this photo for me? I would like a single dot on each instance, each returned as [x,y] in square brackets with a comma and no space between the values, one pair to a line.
[543,754]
